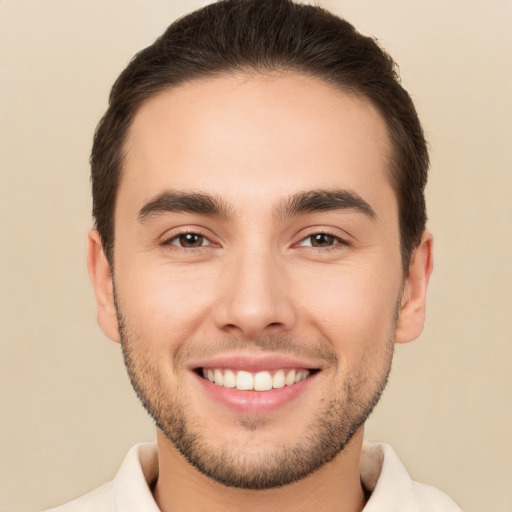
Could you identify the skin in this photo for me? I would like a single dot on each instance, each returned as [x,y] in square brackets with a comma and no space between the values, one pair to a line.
[253,141]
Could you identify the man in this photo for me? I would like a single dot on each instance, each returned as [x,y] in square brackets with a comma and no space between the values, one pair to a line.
[260,247]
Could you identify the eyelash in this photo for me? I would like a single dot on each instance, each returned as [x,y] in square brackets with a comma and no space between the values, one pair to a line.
[338,241]
[176,246]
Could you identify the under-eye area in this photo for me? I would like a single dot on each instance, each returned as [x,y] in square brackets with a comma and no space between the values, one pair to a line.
[255,381]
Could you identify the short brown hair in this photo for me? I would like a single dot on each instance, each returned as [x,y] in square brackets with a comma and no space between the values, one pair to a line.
[266,35]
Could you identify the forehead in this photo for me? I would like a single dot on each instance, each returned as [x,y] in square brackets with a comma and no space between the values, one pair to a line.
[254,138]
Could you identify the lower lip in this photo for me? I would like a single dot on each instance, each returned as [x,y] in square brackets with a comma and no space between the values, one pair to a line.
[255,402]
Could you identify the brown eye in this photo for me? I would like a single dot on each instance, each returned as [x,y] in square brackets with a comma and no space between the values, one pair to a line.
[322,240]
[189,240]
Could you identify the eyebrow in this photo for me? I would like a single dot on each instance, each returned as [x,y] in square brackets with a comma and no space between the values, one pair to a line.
[297,204]
[184,202]
[322,201]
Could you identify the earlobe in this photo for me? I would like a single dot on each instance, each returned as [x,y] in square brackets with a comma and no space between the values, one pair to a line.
[102,282]
[411,317]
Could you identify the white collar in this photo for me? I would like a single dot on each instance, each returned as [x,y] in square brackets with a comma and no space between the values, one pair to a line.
[382,474]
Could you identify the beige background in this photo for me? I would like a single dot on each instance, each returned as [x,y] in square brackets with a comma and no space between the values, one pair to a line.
[68,414]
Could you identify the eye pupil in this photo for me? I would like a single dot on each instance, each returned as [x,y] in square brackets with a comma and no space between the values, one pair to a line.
[322,240]
[191,240]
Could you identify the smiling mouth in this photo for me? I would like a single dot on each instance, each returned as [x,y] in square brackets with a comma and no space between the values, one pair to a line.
[257,381]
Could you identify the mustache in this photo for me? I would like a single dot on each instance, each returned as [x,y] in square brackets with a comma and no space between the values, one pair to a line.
[317,349]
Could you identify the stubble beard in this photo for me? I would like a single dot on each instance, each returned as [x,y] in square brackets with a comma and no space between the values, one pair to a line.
[329,431]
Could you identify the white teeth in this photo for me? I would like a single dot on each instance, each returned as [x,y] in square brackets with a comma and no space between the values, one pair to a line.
[278,379]
[290,378]
[260,381]
[229,379]
[244,381]
[219,378]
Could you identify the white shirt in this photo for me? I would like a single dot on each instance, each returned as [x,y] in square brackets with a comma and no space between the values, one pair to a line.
[382,474]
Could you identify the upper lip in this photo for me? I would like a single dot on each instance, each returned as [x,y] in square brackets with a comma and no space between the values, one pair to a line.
[255,362]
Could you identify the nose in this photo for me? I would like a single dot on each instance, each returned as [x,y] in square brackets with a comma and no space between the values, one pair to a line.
[255,300]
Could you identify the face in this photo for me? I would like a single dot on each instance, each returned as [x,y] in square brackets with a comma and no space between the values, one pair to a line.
[258,278]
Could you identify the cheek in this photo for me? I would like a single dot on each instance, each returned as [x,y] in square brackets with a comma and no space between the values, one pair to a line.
[352,308]
[165,304]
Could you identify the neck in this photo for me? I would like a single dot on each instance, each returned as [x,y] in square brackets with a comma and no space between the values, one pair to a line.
[336,486]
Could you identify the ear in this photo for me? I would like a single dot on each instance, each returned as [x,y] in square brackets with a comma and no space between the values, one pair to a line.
[101,279]
[412,312]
